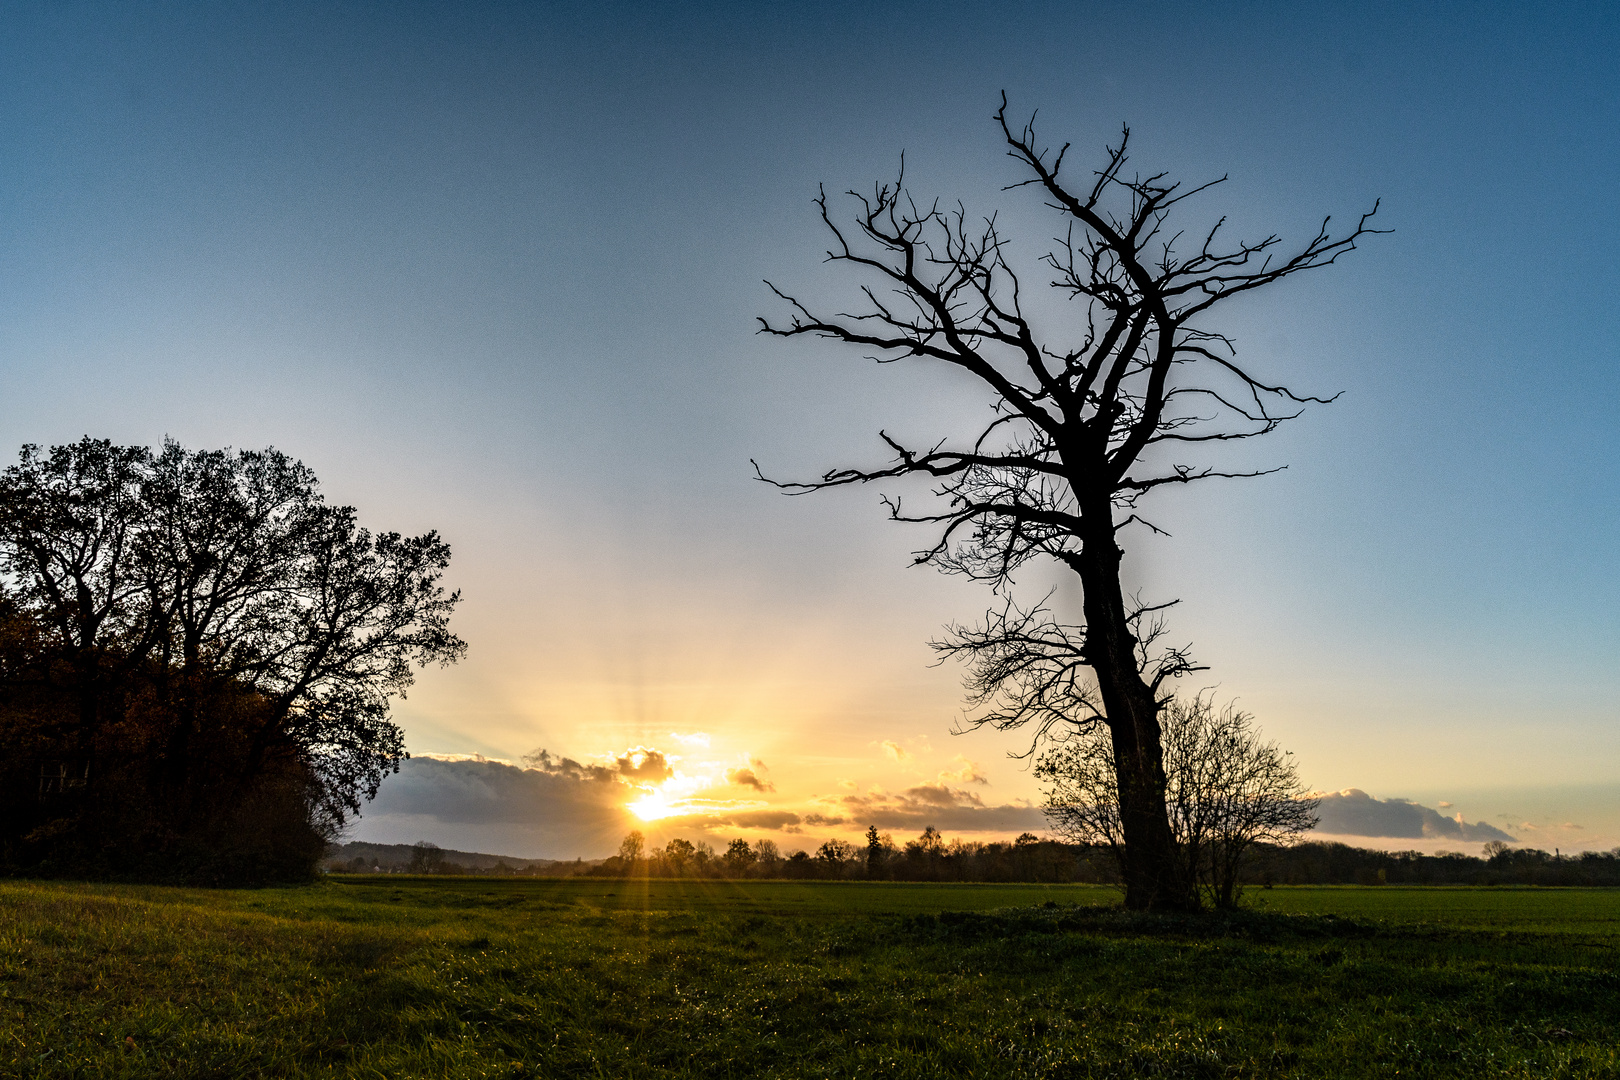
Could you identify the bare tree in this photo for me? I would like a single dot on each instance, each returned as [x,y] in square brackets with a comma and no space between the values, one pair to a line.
[426,858]
[1083,426]
[1225,789]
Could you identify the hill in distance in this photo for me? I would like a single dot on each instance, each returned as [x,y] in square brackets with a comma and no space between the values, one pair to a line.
[399,856]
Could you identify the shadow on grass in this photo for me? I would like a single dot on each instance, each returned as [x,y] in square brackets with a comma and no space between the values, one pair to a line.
[1051,919]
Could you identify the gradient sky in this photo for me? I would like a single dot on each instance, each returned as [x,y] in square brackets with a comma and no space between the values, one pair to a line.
[493,269]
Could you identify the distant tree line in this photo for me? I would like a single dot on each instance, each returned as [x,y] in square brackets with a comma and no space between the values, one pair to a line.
[197,660]
[1500,864]
[930,857]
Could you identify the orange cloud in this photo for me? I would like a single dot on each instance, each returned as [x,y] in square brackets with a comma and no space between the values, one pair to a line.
[748,778]
[966,772]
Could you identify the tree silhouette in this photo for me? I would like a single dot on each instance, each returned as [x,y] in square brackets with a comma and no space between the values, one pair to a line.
[739,857]
[875,851]
[679,852]
[1227,791]
[1085,423]
[210,636]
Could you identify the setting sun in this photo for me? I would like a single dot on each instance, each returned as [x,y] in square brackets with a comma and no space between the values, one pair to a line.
[652,806]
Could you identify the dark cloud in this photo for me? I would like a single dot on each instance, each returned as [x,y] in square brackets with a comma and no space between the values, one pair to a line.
[740,819]
[557,809]
[931,804]
[637,765]
[543,761]
[935,795]
[748,778]
[1353,812]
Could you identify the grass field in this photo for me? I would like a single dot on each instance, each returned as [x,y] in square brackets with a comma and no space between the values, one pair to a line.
[383,976]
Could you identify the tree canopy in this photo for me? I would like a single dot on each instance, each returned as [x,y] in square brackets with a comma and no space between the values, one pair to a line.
[188,630]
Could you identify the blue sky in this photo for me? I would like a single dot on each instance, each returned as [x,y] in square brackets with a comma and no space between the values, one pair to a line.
[493,269]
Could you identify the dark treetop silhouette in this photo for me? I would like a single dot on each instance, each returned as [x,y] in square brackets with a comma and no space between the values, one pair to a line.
[195,635]
[1060,466]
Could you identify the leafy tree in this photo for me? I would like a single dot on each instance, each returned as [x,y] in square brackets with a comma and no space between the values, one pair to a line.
[70,521]
[1095,396]
[631,846]
[266,586]
[212,645]
[739,857]
[679,852]
[834,853]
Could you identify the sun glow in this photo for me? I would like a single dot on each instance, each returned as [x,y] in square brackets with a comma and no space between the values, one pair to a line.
[673,795]
[652,806]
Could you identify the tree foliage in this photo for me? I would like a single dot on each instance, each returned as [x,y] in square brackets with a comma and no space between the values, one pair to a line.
[192,630]
[739,857]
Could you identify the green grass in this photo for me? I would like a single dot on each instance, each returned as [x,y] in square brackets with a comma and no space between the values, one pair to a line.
[397,977]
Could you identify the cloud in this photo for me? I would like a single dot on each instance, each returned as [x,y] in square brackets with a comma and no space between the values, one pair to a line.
[757,819]
[1445,805]
[895,750]
[695,738]
[710,819]
[1530,826]
[1352,812]
[558,809]
[967,772]
[637,765]
[928,804]
[748,778]
[643,765]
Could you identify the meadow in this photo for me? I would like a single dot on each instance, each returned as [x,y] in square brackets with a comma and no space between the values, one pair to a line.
[393,976]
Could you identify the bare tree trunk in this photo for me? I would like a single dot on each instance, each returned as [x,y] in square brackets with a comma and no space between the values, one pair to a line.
[1152,866]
